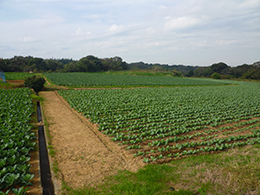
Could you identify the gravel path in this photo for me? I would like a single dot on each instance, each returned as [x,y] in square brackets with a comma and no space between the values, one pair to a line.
[84,155]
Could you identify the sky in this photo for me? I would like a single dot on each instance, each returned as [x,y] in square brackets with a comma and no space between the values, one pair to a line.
[187,32]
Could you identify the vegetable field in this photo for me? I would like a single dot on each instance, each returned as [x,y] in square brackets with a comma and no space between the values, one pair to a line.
[161,124]
[17,75]
[98,79]
[16,139]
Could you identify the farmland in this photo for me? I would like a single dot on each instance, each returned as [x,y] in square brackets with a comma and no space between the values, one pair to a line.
[185,120]
[17,139]
[98,79]
[17,75]
[162,124]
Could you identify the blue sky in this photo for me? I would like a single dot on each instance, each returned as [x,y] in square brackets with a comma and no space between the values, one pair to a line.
[188,32]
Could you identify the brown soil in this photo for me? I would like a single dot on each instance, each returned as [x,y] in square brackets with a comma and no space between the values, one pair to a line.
[84,155]
[36,188]
[15,81]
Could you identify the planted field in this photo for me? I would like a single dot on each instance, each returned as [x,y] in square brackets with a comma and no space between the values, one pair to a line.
[98,79]
[17,75]
[161,124]
[16,139]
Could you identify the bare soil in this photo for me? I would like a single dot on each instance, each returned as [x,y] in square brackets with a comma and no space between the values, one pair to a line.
[84,155]
[36,188]
[15,81]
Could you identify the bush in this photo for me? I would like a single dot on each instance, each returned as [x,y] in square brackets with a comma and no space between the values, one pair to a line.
[216,76]
[35,82]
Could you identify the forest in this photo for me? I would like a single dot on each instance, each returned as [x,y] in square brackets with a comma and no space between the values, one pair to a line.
[91,63]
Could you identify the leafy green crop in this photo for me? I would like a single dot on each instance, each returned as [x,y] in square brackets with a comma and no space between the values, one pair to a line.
[161,123]
[98,79]
[17,75]
[16,138]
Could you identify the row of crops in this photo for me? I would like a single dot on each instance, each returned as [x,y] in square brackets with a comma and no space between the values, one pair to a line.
[16,139]
[17,75]
[161,124]
[98,79]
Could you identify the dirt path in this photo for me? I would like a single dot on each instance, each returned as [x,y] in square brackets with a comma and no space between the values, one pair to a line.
[84,155]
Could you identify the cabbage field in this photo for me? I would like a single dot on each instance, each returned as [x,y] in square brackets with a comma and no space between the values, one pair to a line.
[16,139]
[161,124]
[99,79]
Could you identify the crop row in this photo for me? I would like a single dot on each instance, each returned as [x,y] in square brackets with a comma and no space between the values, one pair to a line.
[17,75]
[145,119]
[98,79]
[16,139]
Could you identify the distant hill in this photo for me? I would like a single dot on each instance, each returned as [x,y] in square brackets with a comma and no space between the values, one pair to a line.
[145,66]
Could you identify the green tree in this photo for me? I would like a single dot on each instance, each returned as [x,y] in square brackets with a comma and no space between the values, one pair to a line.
[190,73]
[215,75]
[35,82]
[176,73]
[218,67]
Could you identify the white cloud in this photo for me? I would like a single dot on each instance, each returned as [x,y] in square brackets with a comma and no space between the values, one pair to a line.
[92,16]
[78,31]
[27,39]
[249,4]
[199,44]
[191,32]
[226,42]
[116,28]
[162,7]
[181,22]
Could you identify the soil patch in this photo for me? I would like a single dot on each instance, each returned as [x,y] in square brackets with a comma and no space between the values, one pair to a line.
[15,81]
[36,188]
[84,155]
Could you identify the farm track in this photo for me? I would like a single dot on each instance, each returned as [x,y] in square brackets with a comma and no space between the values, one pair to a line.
[84,155]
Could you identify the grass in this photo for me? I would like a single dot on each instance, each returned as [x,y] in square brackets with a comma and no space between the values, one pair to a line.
[236,171]
[9,85]
[51,149]
[36,97]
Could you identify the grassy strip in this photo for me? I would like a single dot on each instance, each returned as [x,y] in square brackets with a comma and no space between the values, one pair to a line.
[51,149]
[235,171]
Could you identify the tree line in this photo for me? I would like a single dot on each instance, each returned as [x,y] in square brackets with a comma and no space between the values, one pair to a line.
[222,70]
[86,64]
[216,70]
[94,64]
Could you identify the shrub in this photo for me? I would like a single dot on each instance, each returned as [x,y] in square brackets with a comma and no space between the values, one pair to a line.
[216,76]
[35,82]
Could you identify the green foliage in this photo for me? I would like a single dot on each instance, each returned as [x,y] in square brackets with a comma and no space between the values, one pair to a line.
[218,67]
[176,73]
[98,79]
[20,191]
[35,82]
[17,75]
[86,64]
[190,73]
[237,172]
[215,75]
[203,72]
[169,120]
[137,66]
[152,179]
[36,97]
[16,138]
[93,64]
